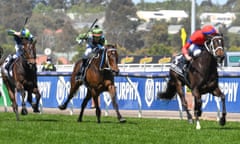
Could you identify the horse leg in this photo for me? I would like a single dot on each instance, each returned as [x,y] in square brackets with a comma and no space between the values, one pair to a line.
[112,92]
[84,104]
[35,105]
[197,107]
[29,97]
[24,109]
[98,110]
[217,92]
[73,89]
[184,103]
[14,102]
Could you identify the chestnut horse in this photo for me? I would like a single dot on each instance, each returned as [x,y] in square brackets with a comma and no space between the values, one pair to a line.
[97,81]
[23,78]
[201,78]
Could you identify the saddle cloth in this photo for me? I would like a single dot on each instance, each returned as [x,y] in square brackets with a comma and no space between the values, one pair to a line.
[177,64]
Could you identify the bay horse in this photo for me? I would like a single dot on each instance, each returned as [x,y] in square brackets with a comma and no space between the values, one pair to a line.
[97,81]
[23,78]
[201,77]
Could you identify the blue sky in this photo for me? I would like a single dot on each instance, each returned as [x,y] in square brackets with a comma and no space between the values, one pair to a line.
[198,1]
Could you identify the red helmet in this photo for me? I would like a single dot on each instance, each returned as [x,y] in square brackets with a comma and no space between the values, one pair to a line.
[208,30]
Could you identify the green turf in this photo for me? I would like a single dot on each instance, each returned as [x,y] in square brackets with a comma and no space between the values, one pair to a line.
[64,129]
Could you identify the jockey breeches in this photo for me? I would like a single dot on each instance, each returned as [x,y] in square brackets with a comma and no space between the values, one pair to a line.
[194,50]
[87,52]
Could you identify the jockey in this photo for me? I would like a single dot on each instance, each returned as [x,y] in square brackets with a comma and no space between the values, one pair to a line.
[49,66]
[193,46]
[18,37]
[95,42]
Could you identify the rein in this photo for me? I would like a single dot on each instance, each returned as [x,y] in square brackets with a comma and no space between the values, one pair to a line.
[107,59]
[29,54]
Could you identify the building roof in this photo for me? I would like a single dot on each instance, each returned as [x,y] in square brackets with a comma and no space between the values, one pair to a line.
[161,14]
[234,29]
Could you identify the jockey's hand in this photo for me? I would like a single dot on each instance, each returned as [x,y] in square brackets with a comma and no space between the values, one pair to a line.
[187,57]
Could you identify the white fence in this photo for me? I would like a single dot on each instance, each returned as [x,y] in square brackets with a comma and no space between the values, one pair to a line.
[137,68]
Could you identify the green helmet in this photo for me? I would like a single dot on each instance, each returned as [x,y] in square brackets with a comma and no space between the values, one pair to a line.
[25,33]
[97,32]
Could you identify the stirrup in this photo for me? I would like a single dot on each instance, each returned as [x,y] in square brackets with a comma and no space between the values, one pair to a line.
[7,66]
[80,77]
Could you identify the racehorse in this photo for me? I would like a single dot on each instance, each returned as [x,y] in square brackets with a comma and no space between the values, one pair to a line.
[201,78]
[97,81]
[23,78]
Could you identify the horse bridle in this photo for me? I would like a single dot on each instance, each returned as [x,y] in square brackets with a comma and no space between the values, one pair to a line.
[30,60]
[210,46]
[106,57]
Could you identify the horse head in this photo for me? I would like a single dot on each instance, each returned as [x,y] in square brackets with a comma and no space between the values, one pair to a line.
[215,45]
[111,58]
[29,51]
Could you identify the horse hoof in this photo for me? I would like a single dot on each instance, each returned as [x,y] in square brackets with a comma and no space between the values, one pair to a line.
[222,121]
[62,107]
[122,120]
[36,110]
[24,111]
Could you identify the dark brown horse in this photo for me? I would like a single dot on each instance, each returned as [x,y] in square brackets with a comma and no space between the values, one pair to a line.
[23,78]
[201,78]
[97,81]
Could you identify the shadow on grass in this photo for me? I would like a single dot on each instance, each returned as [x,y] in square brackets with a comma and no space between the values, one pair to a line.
[222,128]
[108,122]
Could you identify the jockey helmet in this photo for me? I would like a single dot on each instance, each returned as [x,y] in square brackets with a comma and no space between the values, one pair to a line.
[97,32]
[25,33]
[49,59]
[208,30]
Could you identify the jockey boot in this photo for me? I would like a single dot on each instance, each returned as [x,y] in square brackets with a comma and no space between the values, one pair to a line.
[82,70]
[9,62]
[102,60]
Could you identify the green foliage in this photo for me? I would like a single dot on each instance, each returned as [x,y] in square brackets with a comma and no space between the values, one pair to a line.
[83,8]
[80,49]
[42,9]
[234,48]
[64,129]
[158,34]
[8,49]
[233,40]
[160,49]
[118,26]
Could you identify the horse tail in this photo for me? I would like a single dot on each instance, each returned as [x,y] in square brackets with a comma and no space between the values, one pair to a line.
[170,91]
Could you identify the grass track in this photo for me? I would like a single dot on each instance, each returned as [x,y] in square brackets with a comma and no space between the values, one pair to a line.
[64,129]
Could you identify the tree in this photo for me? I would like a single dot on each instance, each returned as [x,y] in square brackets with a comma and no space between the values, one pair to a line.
[119,25]
[158,34]
[12,16]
